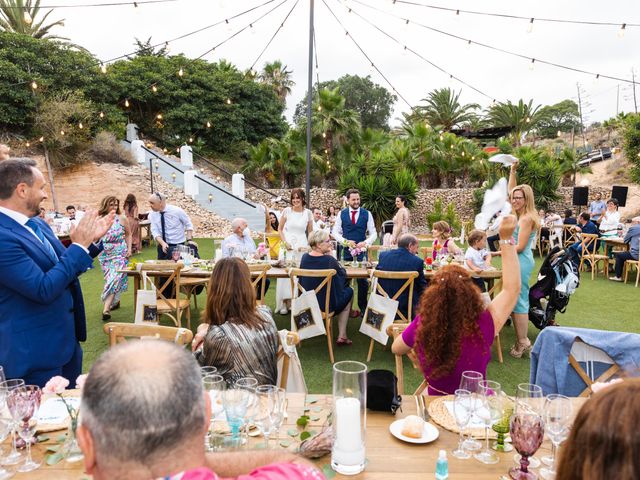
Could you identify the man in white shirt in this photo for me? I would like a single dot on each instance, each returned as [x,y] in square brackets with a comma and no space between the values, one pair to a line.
[318,223]
[170,225]
[355,228]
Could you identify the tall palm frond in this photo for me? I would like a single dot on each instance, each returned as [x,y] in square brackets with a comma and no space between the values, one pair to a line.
[278,78]
[443,109]
[21,16]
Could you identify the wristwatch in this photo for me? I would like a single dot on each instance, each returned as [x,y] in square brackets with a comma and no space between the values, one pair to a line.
[509,241]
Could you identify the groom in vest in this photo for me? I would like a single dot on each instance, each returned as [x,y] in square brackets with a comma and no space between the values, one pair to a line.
[355,226]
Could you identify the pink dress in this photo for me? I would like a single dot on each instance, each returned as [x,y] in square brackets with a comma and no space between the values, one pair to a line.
[474,355]
[275,471]
[444,249]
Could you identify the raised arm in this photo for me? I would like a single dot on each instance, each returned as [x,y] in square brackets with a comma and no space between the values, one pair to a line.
[513,181]
[502,305]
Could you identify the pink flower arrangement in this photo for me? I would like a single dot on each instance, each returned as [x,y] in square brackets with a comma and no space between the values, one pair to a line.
[80,381]
[56,385]
[356,251]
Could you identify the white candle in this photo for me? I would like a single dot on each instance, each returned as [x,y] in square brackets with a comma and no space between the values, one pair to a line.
[348,448]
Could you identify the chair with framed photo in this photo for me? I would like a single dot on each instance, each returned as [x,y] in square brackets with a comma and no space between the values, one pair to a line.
[171,304]
[325,278]
[393,331]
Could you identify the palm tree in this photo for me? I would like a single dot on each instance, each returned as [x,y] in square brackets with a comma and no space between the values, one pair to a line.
[521,117]
[569,167]
[20,16]
[278,78]
[443,109]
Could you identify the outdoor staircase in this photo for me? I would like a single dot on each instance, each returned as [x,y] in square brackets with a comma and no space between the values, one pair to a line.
[212,195]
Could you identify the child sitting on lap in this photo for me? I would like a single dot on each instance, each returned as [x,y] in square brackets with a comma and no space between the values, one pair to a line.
[477,258]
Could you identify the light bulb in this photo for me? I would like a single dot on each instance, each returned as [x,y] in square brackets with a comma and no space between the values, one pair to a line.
[34,85]
[208,124]
[167,48]
[41,139]
[559,133]
[251,29]
[159,116]
[190,139]
[530,26]
[27,144]
[103,68]
[180,72]
[26,16]
[532,64]
[473,157]
[319,108]
[62,132]
[154,89]
[469,43]
[622,29]
[228,101]
[210,198]
[528,120]
[101,115]
[462,154]
[165,150]
[80,126]
[324,135]
[126,102]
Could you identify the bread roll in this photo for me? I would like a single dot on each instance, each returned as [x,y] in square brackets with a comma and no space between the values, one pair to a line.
[413,427]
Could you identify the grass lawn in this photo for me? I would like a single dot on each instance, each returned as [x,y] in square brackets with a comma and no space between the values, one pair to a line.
[598,304]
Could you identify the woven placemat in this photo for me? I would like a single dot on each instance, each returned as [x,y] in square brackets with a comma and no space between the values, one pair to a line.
[441,416]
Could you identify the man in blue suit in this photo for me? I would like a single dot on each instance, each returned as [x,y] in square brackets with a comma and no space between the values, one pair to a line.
[41,308]
[403,259]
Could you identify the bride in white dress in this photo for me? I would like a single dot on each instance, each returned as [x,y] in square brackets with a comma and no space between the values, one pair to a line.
[295,224]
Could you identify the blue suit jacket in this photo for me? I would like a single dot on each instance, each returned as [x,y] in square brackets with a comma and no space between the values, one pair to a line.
[41,307]
[402,260]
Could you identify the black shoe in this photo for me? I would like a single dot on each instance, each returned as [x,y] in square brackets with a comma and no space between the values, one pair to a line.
[106,317]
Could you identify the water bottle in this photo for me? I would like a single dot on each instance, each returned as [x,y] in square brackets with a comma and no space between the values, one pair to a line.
[442,466]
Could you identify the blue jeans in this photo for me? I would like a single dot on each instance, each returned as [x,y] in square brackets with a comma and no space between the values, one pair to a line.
[622,257]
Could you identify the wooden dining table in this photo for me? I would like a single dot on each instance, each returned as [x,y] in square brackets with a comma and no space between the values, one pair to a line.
[492,277]
[387,457]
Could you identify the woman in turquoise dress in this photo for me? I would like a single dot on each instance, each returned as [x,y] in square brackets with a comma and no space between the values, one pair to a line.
[114,257]
[523,203]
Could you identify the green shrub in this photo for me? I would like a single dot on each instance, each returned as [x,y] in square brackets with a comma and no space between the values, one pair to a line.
[448,216]
[631,144]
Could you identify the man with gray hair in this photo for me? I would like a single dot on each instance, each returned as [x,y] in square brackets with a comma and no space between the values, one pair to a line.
[170,226]
[403,259]
[145,414]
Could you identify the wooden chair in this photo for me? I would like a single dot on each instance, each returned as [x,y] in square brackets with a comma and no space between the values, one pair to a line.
[570,235]
[542,245]
[409,278]
[628,265]
[292,339]
[588,254]
[189,284]
[394,331]
[259,277]
[172,307]
[583,353]
[120,332]
[327,315]
[373,252]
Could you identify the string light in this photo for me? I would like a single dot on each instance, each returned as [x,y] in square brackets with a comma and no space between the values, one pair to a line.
[559,133]
[80,126]
[126,103]
[528,120]
[324,135]
[530,26]
[319,108]
[26,16]
[159,116]
[180,72]
[62,132]
[34,85]
[103,68]
[27,144]
[173,176]
[622,29]
[228,101]
[154,89]
[208,124]
[101,115]
[532,64]
[210,198]
[190,139]
[41,139]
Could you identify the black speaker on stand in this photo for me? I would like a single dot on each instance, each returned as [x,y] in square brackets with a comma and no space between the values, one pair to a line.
[580,196]
[620,194]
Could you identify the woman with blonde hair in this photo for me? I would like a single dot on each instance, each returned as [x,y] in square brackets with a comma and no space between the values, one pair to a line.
[114,256]
[523,204]
[604,440]
[237,337]
[453,330]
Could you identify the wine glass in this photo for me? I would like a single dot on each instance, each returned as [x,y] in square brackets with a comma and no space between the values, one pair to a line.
[213,384]
[208,370]
[462,406]
[23,403]
[527,432]
[235,402]
[489,412]
[470,381]
[249,384]
[557,419]
[270,410]
[5,387]
[5,428]
[501,427]
[529,399]
[175,254]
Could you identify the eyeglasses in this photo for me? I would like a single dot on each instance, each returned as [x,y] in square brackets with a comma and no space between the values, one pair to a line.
[517,198]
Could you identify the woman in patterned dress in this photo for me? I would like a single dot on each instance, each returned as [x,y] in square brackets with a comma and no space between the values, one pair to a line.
[237,337]
[117,249]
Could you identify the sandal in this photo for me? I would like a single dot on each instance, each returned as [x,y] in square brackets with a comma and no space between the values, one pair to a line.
[343,342]
[520,348]
[115,306]
[354,314]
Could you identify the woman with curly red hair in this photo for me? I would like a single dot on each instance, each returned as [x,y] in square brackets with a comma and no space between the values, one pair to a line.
[453,331]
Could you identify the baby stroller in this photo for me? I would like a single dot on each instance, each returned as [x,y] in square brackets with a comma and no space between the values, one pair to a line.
[557,280]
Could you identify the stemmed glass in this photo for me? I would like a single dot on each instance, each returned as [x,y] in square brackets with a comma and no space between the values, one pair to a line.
[501,427]
[470,381]
[249,384]
[527,429]
[235,402]
[5,429]
[23,403]
[207,370]
[557,419]
[489,412]
[270,410]
[462,408]
[529,398]
[214,385]
[5,387]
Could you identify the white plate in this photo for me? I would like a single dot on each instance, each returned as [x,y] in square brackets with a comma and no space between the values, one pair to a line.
[429,434]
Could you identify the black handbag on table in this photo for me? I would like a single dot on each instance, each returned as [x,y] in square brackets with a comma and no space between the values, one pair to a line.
[382,391]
